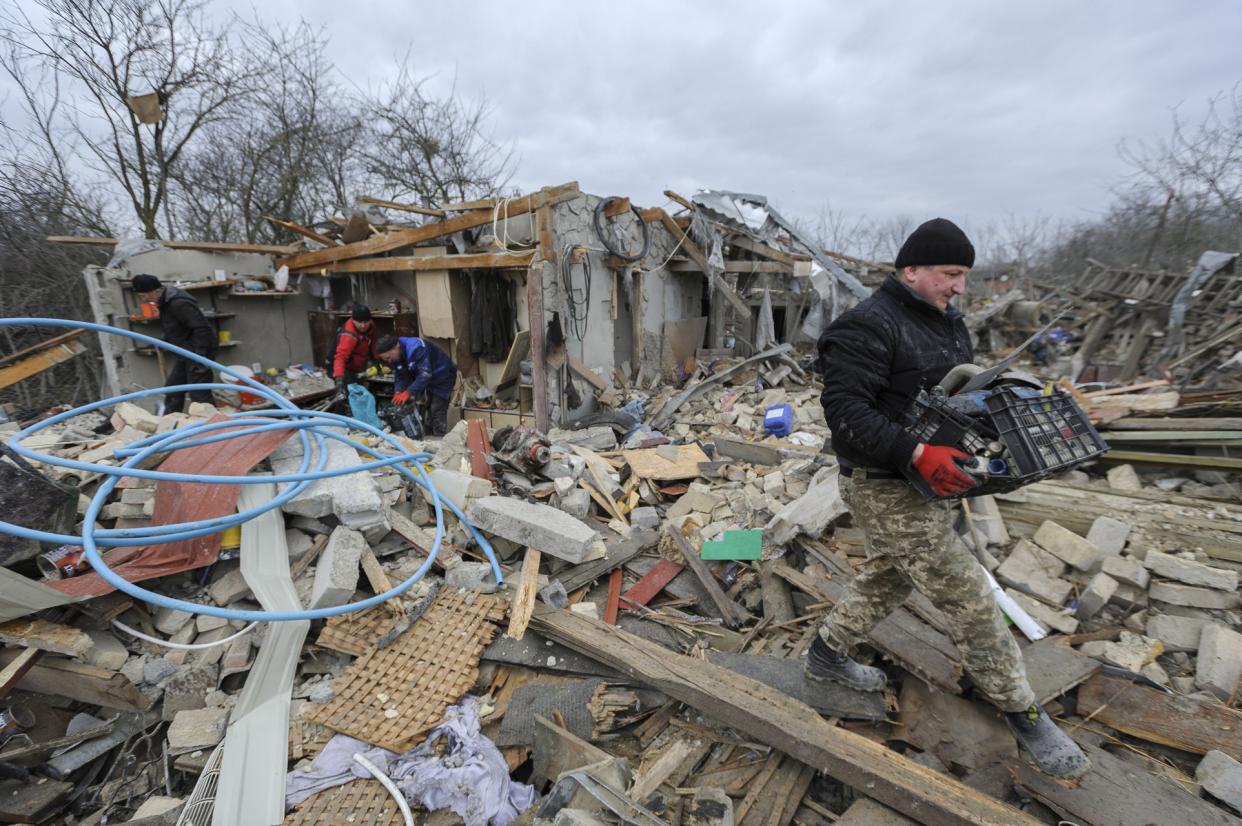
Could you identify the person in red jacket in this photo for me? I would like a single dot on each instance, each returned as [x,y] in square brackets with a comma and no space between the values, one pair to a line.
[355,347]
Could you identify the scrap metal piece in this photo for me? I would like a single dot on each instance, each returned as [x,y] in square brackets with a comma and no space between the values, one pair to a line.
[571,783]
[252,780]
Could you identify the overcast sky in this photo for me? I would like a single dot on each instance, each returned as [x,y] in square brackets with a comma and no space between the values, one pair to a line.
[971,110]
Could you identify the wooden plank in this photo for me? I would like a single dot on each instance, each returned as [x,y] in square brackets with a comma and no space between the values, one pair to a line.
[613,604]
[590,376]
[12,673]
[1117,793]
[866,812]
[42,345]
[524,599]
[33,365]
[901,637]
[1184,723]
[1168,422]
[466,206]
[616,206]
[734,266]
[538,354]
[46,636]
[647,463]
[61,677]
[733,614]
[776,719]
[403,263]
[417,210]
[1175,459]
[696,255]
[652,582]
[202,246]
[616,554]
[298,229]
[316,259]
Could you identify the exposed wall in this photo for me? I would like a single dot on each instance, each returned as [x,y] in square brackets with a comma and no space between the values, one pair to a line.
[268,330]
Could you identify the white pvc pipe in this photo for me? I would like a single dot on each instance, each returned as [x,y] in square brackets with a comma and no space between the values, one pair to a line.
[389,785]
[182,646]
[1027,624]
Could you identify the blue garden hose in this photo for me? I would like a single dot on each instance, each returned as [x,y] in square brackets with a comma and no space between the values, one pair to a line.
[286,417]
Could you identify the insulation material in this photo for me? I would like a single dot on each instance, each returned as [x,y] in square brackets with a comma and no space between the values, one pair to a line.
[392,697]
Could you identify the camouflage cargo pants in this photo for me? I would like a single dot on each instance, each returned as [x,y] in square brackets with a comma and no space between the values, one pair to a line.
[911,544]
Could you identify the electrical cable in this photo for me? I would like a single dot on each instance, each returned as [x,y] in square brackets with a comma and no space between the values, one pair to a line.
[285,417]
[603,236]
[182,646]
[576,309]
[387,783]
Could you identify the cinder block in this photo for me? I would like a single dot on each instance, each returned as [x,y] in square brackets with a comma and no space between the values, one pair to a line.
[1177,633]
[1096,595]
[1190,572]
[1024,571]
[1192,597]
[1067,546]
[336,575]
[535,526]
[1220,660]
[1221,776]
[1127,570]
[1109,535]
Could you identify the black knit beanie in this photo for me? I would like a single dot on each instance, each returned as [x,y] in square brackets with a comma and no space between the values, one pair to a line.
[361,313]
[144,283]
[937,242]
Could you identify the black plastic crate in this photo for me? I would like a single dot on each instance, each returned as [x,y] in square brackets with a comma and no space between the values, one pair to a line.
[1044,435]
[1033,436]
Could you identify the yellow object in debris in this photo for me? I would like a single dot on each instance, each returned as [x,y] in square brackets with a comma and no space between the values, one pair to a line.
[230,538]
[372,372]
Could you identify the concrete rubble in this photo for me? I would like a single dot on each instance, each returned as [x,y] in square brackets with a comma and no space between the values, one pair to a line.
[1129,568]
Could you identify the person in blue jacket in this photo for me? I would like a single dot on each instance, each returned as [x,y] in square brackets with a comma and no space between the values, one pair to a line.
[421,367]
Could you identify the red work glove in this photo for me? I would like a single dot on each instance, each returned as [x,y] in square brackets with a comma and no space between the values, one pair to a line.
[937,464]
[404,398]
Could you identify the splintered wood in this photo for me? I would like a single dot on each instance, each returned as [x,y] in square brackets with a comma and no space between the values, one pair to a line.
[393,696]
[358,801]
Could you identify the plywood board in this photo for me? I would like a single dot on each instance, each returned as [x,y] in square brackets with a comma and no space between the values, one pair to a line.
[647,463]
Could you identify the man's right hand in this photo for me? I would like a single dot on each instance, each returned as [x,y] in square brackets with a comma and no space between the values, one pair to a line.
[937,465]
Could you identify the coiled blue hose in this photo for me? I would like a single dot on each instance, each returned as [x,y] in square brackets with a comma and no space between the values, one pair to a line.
[286,417]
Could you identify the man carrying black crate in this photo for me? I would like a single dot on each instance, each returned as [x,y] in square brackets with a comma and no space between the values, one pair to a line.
[902,339]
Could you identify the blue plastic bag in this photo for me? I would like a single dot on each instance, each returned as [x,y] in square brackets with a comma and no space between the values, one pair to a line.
[362,406]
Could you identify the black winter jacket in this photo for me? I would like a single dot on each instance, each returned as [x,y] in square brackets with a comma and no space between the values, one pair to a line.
[184,323]
[876,358]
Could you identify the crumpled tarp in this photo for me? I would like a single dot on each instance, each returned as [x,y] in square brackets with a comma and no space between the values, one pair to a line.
[456,767]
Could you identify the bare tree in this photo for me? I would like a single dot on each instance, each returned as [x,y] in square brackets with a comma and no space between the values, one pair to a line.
[145,76]
[433,148]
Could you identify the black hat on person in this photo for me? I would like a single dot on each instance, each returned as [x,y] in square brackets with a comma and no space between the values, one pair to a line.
[144,283]
[937,242]
[385,344]
[361,313]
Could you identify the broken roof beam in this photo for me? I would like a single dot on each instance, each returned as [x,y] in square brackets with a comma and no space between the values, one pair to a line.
[777,719]
[43,356]
[418,210]
[298,229]
[697,256]
[325,258]
[761,249]
[475,261]
[664,418]
[201,246]
[851,283]
[736,266]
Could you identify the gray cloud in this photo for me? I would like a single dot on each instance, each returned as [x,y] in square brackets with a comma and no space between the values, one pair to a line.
[967,109]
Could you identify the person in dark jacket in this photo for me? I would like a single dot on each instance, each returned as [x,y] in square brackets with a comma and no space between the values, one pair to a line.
[355,346]
[184,326]
[902,339]
[421,367]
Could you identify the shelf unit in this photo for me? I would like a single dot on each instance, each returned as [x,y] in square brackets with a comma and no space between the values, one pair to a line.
[212,313]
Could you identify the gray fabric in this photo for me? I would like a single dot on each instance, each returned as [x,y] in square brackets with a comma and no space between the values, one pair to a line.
[1208,265]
